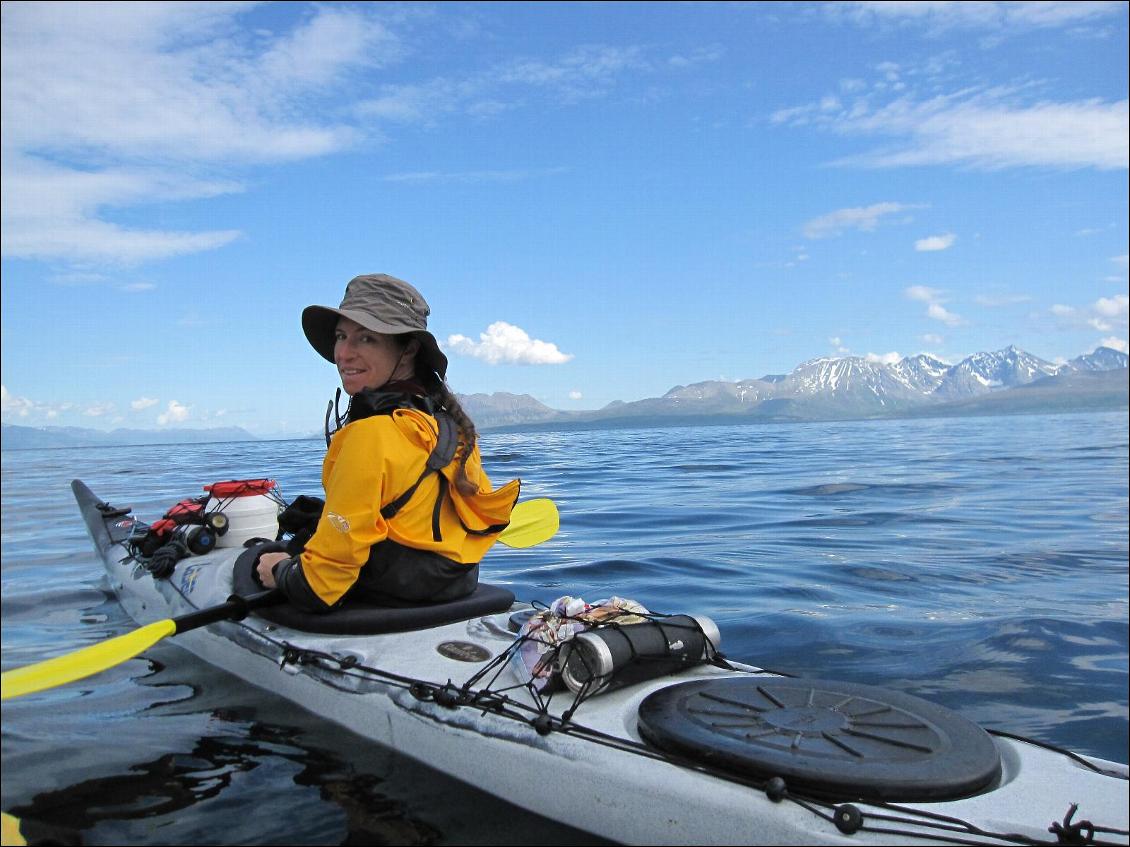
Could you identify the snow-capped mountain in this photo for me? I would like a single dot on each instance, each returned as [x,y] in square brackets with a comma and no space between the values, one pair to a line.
[856,387]
[724,393]
[985,372]
[1102,359]
[849,380]
[922,372]
[1007,381]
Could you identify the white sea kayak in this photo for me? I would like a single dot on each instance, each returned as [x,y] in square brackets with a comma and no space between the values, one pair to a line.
[708,752]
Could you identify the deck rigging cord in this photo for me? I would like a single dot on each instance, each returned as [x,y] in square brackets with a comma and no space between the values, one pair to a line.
[880,817]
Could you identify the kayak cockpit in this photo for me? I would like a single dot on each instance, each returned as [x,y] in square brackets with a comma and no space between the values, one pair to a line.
[357,618]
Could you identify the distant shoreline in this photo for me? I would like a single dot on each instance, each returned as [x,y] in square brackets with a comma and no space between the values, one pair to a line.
[626,422]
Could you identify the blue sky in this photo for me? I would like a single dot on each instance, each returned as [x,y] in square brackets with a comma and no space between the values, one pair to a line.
[600,201]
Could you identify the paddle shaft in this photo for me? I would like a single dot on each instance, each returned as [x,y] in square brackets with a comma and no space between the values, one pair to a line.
[235,609]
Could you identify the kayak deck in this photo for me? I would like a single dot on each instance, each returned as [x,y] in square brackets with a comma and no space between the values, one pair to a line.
[448,696]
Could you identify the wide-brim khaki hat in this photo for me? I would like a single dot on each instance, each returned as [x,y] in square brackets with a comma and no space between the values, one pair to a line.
[380,303]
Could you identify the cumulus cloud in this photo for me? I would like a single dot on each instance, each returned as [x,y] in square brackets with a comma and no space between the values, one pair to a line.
[175,412]
[922,292]
[143,403]
[1107,314]
[28,410]
[575,395]
[884,358]
[504,343]
[98,410]
[1118,344]
[933,298]
[865,218]
[940,313]
[935,242]
[112,105]
[11,404]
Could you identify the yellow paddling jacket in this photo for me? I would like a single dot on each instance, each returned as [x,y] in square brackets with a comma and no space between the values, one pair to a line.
[383,502]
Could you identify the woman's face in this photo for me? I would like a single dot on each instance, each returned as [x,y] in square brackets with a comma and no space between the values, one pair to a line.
[367,359]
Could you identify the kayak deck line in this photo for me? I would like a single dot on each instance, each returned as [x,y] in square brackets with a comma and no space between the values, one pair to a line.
[848,818]
[400,690]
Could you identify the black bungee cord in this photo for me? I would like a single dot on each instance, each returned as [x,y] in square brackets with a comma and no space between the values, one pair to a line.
[845,816]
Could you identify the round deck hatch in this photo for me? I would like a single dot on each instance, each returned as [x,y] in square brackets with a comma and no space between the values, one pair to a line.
[830,738]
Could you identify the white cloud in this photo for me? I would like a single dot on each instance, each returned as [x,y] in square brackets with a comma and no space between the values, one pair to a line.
[988,128]
[10,404]
[932,338]
[98,410]
[865,218]
[942,15]
[838,344]
[15,406]
[934,308]
[174,413]
[144,102]
[581,73]
[584,73]
[576,395]
[935,242]
[697,56]
[1112,307]
[1118,344]
[922,292]
[143,403]
[504,343]
[884,358]
[138,287]
[940,313]
[1107,314]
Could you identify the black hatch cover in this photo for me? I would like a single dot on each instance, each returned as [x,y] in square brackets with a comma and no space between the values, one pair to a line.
[830,738]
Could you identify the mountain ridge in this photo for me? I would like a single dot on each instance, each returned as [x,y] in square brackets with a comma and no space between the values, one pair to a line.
[853,387]
[1008,381]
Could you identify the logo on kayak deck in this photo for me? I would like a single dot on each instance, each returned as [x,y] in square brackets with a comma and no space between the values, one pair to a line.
[463,651]
[339,523]
[188,578]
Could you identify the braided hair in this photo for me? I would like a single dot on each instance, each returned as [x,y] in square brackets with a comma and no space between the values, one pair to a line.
[445,399]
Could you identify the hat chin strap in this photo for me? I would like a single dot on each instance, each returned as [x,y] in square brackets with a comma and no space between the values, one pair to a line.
[399,361]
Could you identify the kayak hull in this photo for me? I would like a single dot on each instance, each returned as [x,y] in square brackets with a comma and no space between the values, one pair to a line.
[614,788]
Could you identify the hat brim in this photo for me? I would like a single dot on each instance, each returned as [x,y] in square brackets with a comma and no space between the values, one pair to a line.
[320,323]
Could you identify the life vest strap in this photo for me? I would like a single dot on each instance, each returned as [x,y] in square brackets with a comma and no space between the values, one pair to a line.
[447,441]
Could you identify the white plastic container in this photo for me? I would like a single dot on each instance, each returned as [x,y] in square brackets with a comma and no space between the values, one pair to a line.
[250,512]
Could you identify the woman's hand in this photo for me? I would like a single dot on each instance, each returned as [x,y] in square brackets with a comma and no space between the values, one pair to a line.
[266,566]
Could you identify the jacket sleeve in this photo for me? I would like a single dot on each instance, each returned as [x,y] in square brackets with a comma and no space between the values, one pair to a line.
[292,582]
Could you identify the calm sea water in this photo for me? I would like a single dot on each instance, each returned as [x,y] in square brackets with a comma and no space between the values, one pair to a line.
[978,562]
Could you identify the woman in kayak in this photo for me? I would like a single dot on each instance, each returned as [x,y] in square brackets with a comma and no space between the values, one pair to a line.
[409,511]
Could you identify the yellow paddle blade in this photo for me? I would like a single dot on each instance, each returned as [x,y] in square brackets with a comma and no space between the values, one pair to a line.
[85,662]
[12,834]
[531,522]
